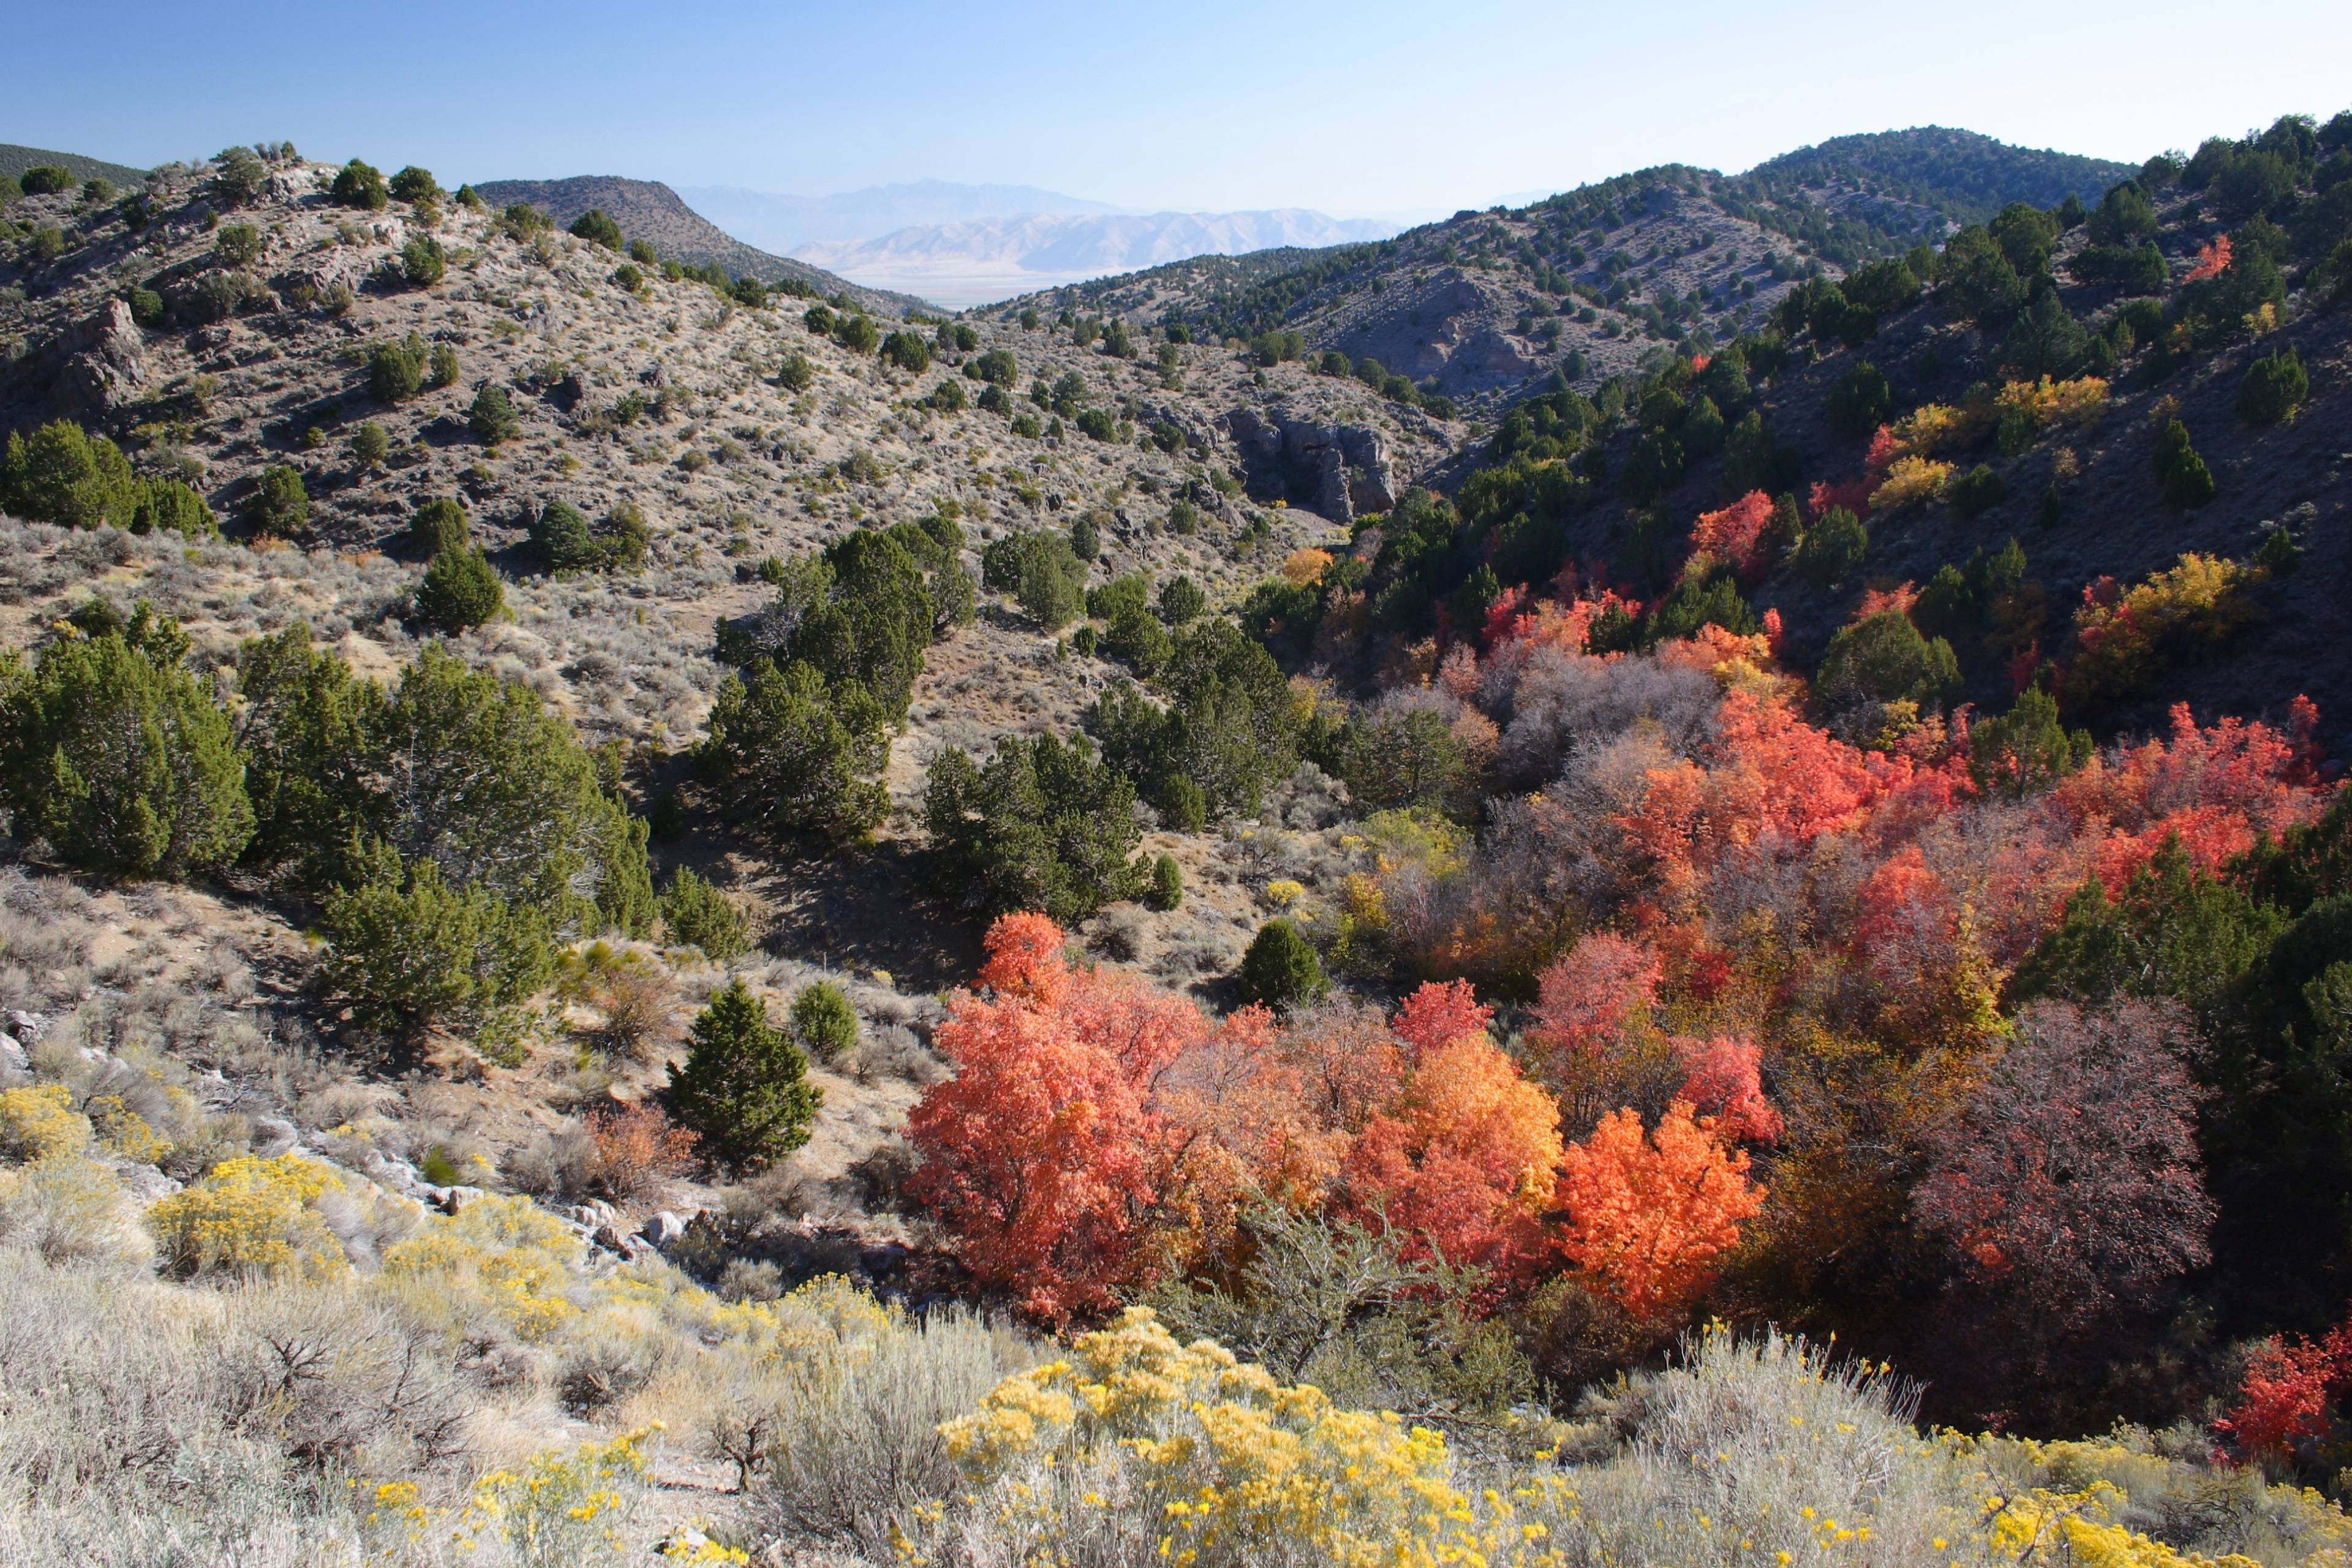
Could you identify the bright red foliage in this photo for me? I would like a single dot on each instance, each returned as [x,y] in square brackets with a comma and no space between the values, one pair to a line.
[1439,1013]
[1736,534]
[1723,1078]
[1589,995]
[1853,494]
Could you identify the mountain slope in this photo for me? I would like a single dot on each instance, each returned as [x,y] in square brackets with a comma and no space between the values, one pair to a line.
[1592,282]
[966,263]
[15,160]
[651,211]
[1965,176]
[782,224]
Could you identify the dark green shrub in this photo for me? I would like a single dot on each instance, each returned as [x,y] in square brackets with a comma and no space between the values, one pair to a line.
[2130,268]
[1280,969]
[492,417]
[644,254]
[237,245]
[1180,601]
[442,367]
[1884,659]
[1136,639]
[1975,491]
[470,199]
[1025,426]
[2275,387]
[147,307]
[45,180]
[1085,538]
[698,915]
[997,367]
[1043,825]
[2280,555]
[167,504]
[359,185]
[369,444]
[423,261]
[1859,401]
[596,225]
[623,536]
[278,507]
[119,758]
[824,1021]
[744,1085]
[1167,890]
[440,525]
[789,751]
[820,320]
[521,221]
[2125,216]
[410,949]
[2046,341]
[1834,548]
[2026,750]
[395,370]
[461,589]
[949,396]
[562,536]
[49,243]
[1042,573]
[856,333]
[627,279]
[907,352]
[796,374]
[60,474]
[413,185]
[2181,473]
[1098,424]
[240,176]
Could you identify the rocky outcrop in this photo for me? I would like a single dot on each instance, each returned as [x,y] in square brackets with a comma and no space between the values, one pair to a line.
[1333,470]
[102,364]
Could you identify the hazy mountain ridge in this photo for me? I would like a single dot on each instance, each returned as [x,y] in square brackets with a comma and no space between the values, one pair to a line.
[967,263]
[783,223]
[651,211]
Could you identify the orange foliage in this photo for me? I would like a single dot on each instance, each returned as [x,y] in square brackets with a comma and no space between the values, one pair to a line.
[2212,260]
[1650,1218]
[635,1146]
[1043,1155]
[1464,1161]
[1878,600]
[1736,534]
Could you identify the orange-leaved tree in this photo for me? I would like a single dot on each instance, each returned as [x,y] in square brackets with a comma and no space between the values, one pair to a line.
[1650,1218]
[1044,1155]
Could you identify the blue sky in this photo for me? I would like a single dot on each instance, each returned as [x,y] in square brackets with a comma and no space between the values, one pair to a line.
[1359,107]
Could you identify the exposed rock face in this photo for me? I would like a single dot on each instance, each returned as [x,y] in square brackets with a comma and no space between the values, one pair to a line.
[104,364]
[1333,470]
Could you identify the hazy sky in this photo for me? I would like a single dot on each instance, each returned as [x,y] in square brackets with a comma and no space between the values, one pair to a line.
[1357,108]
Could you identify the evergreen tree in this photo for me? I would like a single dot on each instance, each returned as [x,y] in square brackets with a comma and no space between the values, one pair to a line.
[461,589]
[118,756]
[1167,890]
[1280,969]
[491,417]
[2181,473]
[701,916]
[790,753]
[824,1021]
[744,1087]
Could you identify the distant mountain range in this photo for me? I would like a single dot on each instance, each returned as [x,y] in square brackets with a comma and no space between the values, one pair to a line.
[973,262]
[651,211]
[783,224]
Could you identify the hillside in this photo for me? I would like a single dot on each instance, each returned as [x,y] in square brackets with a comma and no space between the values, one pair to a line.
[1659,878]
[972,262]
[1964,176]
[651,211]
[15,159]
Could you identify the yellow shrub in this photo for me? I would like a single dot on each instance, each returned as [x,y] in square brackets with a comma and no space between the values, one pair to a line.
[563,1508]
[39,1121]
[252,1215]
[2121,637]
[506,1253]
[1282,892]
[2079,403]
[1910,479]
[126,1132]
[1933,428]
[1305,568]
[1133,1436]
